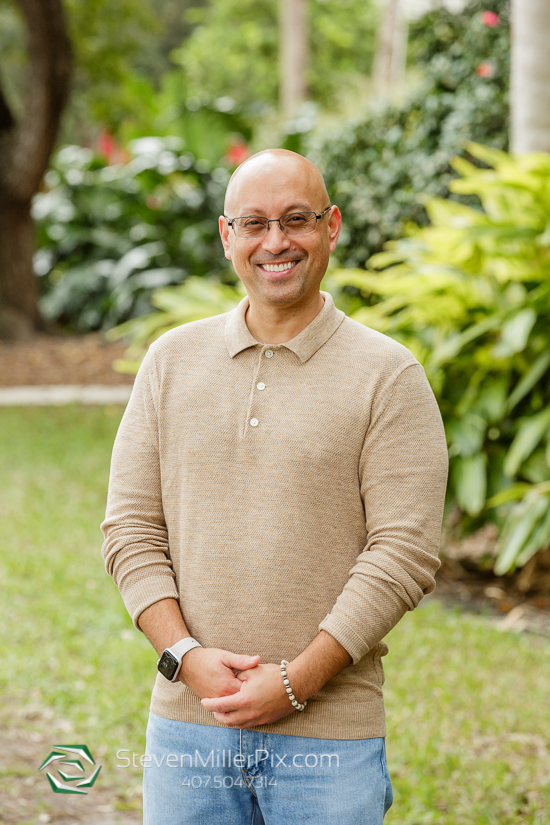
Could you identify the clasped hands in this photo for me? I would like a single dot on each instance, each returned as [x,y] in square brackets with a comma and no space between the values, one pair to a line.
[254,695]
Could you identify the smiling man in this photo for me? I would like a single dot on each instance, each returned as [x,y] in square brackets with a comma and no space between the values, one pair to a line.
[274,509]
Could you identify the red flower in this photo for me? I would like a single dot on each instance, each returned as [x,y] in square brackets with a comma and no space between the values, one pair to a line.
[106,144]
[485,70]
[109,148]
[490,18]
[237,152]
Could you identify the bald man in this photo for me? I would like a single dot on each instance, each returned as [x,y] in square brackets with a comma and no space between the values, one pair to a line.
[274,509]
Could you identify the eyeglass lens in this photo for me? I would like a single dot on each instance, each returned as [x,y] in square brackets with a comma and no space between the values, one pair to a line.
[298,223]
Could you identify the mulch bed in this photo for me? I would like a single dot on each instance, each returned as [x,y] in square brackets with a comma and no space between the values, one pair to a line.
[58,359]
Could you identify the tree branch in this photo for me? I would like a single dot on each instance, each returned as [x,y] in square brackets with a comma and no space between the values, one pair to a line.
[26,153]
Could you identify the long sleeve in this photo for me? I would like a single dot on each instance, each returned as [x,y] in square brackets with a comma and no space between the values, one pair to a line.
[403,474]
[136,549]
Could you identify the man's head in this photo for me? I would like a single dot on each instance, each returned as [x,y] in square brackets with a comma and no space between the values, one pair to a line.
[271,184]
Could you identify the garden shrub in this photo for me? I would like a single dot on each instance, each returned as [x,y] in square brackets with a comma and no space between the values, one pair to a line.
[108,236]
[470,296]
[377,165]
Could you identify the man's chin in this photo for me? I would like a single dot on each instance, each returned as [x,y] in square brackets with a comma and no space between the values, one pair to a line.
[281,292]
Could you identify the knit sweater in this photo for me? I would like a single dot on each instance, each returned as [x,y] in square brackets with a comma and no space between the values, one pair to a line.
[277,490]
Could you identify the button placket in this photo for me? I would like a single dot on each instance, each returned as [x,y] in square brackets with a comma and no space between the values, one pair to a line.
[253,420]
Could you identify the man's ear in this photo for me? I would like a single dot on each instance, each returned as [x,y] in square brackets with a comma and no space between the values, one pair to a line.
[224,235]
[334,226]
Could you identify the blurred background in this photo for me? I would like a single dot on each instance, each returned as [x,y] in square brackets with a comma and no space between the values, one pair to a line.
[120,125]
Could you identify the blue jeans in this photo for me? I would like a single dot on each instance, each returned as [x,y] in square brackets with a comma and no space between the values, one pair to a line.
[225,776]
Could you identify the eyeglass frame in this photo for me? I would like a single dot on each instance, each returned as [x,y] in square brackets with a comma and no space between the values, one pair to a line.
[318,216]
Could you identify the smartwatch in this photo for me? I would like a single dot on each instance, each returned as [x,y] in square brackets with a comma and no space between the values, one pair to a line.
[169,663]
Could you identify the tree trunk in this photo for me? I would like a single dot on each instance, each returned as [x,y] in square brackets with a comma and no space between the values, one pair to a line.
[25,149]
[19,288]
[293,55]
[530,76]
[391,51]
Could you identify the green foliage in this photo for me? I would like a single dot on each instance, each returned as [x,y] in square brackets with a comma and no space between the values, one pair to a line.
[12,55]
[121,54]
[470,296]
[208,126]
[195,299]
[377,165]
[106,37]
[234,48]
[109,235]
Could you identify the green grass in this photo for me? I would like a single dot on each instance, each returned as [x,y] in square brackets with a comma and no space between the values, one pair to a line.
[468,706]
[66,641]
[468,721]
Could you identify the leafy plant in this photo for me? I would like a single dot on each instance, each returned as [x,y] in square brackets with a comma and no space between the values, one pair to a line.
[209,126]
[195,299]
[376,165]
[108,236]
[470,296]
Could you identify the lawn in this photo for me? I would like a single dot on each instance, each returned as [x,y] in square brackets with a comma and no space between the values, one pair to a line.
[468,706]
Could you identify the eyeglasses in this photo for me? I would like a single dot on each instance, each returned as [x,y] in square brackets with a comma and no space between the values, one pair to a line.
[296,223]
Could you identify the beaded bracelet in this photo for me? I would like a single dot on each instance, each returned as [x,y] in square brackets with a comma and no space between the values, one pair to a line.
[298,705]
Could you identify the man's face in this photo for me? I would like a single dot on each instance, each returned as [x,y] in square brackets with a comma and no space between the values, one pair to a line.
[271,186]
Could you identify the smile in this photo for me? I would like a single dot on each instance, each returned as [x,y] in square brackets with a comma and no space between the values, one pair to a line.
[285,267]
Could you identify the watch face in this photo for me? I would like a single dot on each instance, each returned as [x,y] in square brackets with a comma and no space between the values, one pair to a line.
[168,665]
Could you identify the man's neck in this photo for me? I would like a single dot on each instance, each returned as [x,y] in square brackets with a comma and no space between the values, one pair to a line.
[274,325]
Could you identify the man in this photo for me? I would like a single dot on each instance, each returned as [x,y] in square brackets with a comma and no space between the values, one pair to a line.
[274,509]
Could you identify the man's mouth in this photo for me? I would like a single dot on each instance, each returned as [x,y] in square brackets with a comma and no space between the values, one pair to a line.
[282,267]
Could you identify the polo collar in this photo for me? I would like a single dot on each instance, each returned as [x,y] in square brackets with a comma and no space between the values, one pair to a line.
[238,337]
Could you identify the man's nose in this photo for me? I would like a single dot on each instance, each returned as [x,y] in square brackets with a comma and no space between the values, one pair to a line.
[275,240]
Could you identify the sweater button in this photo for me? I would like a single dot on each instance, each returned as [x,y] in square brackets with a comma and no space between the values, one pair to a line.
[261,385]
[254,422]
[269,353]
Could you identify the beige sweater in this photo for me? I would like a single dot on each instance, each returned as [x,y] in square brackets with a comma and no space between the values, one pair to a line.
[276,490]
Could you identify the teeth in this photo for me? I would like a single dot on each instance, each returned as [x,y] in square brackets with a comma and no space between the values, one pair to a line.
[278,267]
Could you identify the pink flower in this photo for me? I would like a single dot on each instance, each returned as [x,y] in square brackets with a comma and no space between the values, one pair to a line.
[490,18]
[237,152]
[485,70]
[109,148]
[106,144]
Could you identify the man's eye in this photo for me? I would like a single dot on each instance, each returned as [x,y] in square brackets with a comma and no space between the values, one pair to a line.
[252,222]
[297,219]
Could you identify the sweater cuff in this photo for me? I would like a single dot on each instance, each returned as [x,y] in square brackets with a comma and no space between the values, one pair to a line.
[143,594]
[346,636]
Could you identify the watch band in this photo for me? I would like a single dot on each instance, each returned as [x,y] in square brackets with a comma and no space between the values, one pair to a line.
[183,646]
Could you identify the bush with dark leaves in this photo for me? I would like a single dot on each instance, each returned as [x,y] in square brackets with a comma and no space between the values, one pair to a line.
[378,165]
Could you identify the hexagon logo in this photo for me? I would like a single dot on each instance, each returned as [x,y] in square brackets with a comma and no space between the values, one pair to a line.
[71,757]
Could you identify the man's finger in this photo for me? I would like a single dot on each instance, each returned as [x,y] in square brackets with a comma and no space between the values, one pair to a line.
[238,662]
[222,704]
[234,720]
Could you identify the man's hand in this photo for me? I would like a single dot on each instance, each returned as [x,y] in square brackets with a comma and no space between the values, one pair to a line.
[261,700]
[209,671]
